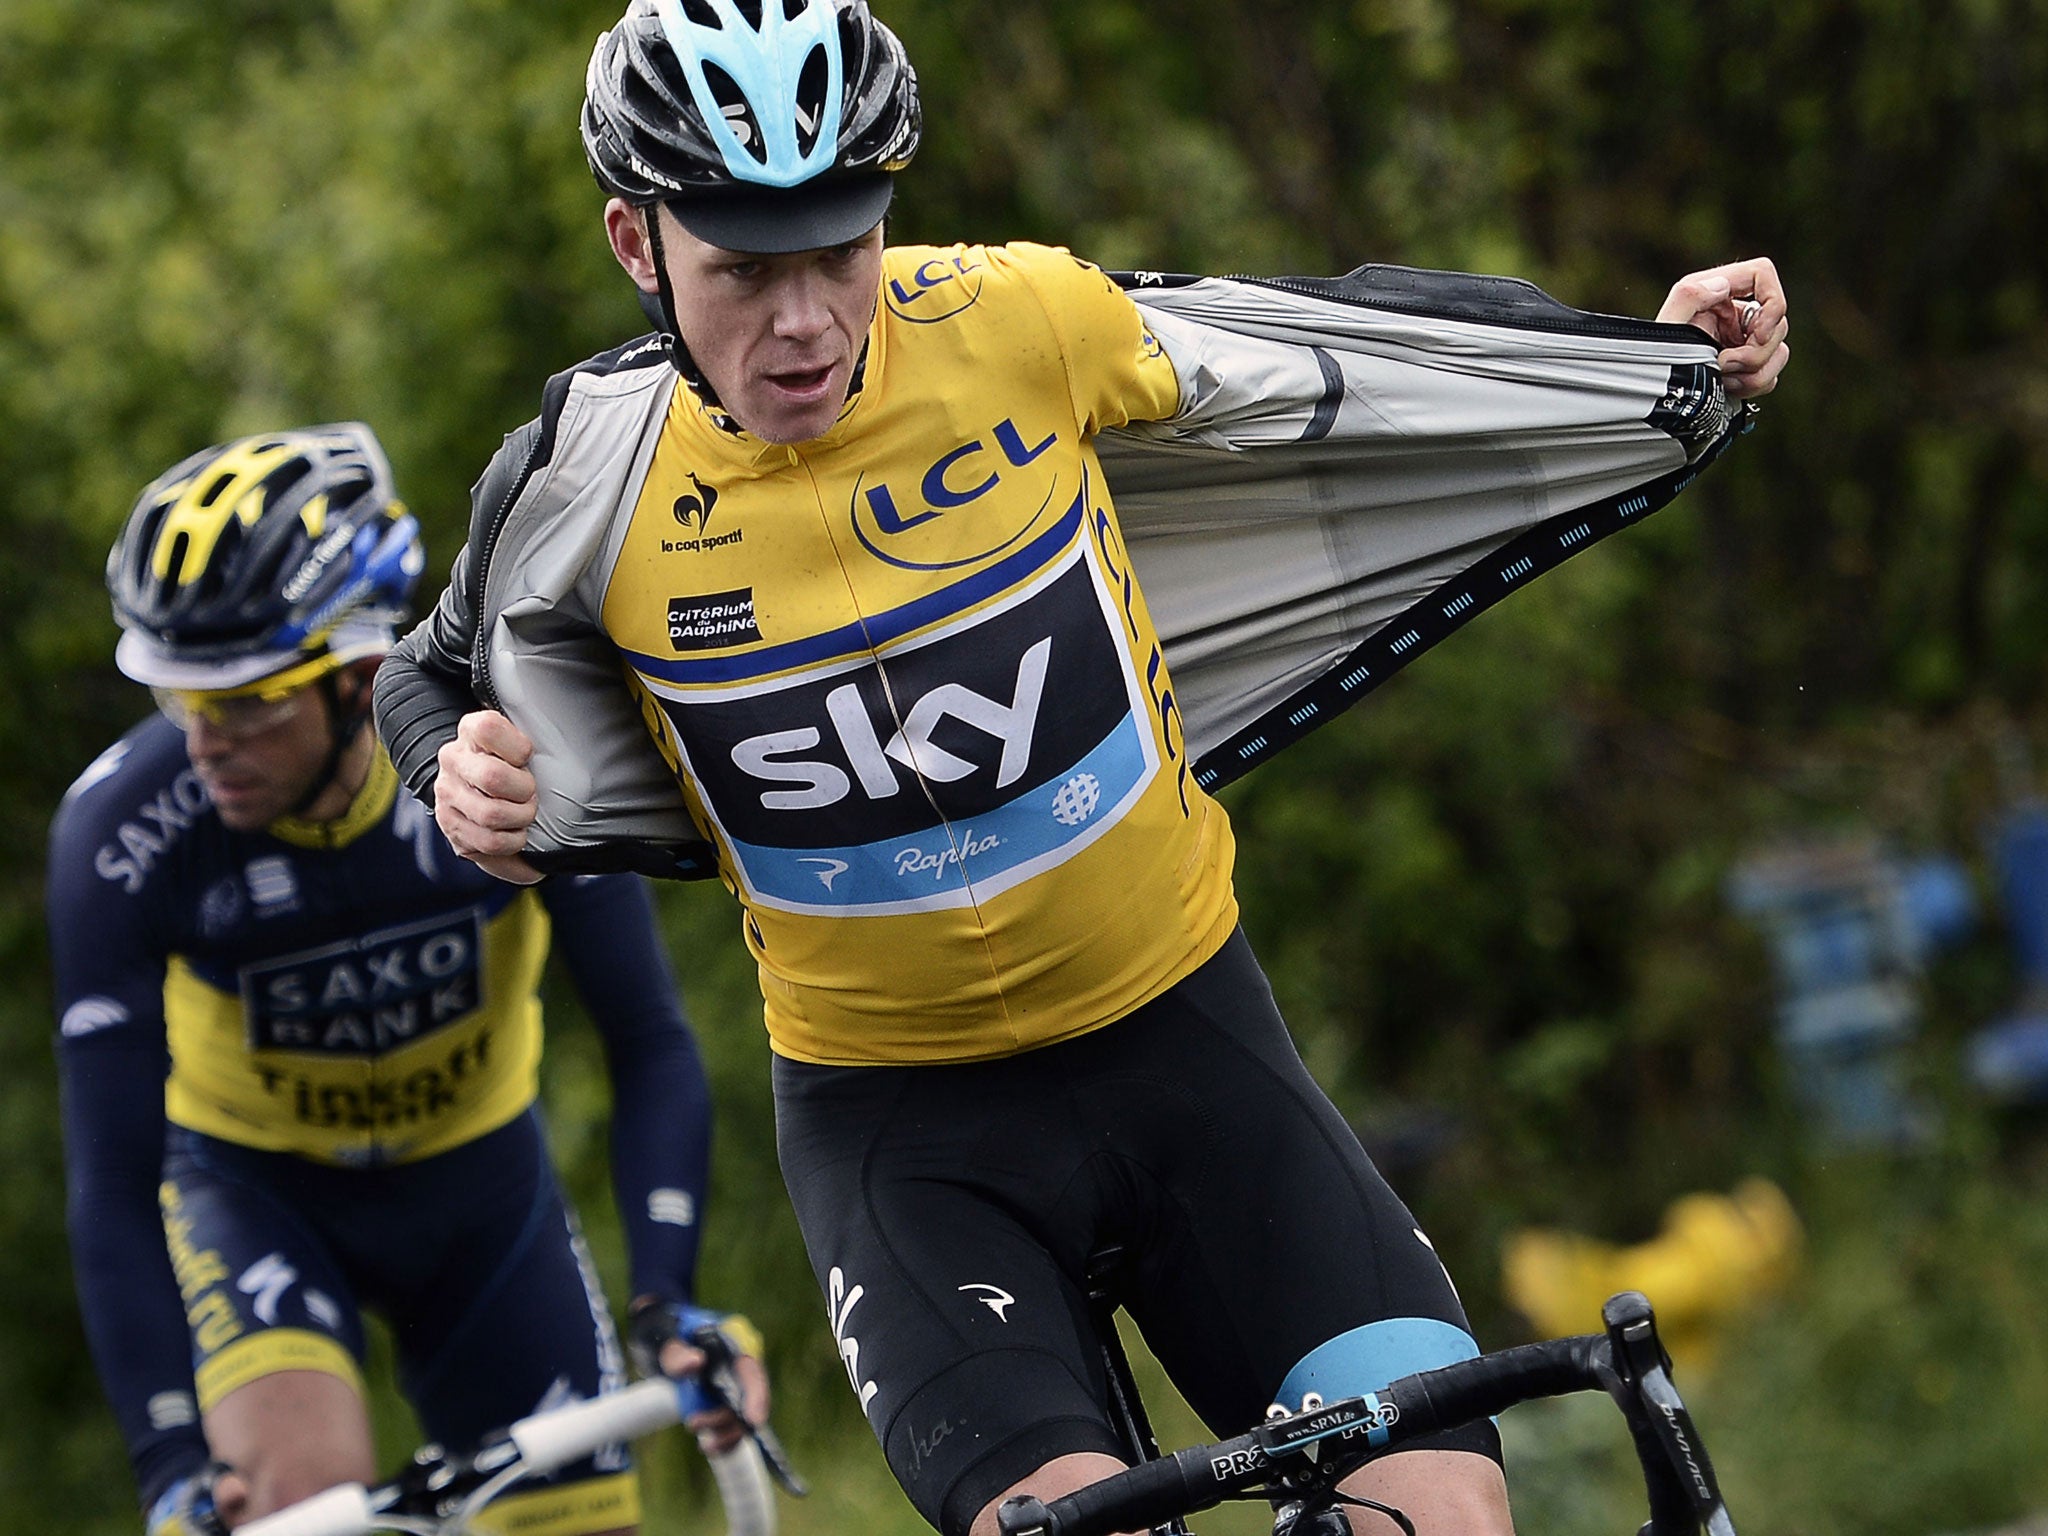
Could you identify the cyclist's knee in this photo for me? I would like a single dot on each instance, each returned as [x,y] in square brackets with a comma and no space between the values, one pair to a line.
[291,1435]
[1446,1493]
[1061,1475]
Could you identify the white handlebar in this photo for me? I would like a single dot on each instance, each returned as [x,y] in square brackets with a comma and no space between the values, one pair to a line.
[343,1510]
[550,1440]
[745,1491]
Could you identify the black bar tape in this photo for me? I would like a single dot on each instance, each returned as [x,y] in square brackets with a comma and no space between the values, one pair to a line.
[1478,1389]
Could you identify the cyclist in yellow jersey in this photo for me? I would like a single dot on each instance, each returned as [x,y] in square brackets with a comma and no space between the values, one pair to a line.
[843,529]
[300,1039]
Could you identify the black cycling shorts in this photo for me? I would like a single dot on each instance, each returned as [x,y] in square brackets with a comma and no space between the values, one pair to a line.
[951,1213]
[472,1257]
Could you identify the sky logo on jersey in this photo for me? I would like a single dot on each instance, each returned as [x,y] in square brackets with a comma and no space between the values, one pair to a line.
[365,996]
[975,755]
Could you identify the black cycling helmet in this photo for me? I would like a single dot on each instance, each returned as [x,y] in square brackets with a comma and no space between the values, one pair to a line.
[282,551]
[766,125]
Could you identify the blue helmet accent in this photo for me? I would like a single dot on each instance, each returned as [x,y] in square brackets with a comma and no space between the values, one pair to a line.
[776,122]
[384,565]
[691,99]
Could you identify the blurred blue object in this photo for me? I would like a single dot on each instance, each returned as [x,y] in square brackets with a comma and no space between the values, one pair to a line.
[1851,929]
[2009,1057]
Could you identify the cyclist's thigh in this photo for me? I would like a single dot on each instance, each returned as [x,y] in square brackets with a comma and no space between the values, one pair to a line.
[496,1312]
[969,1348]
[1281,1262]
[263,1288]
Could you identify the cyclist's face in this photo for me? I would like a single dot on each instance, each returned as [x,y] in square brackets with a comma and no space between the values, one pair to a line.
[776,336]
[256,759]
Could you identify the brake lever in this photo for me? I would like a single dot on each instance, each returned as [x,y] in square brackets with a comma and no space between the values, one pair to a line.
[721,1382]
[1687,1496]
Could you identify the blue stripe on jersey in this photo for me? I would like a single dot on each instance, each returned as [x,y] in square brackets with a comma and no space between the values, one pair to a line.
[855,639]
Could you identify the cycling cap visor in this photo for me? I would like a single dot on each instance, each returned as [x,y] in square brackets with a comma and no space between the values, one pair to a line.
[773,221]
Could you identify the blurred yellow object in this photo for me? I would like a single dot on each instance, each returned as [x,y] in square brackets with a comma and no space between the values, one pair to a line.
[1717,1257]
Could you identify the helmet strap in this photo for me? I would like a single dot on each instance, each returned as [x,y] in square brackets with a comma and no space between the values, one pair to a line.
[348,723]
[672,333]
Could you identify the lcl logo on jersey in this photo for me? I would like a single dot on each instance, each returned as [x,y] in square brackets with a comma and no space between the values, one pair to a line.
[365,996]
[938,290]
[959,478]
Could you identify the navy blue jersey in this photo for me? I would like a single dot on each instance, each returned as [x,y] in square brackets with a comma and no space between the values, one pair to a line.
[348,992]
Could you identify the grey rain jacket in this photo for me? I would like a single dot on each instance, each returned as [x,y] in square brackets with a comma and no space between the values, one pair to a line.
[1358,466]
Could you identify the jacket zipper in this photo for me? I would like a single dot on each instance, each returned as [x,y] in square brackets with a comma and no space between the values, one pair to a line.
[479,674]
[1614,327]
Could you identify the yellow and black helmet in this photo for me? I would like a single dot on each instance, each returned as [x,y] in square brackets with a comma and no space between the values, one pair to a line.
[275,551]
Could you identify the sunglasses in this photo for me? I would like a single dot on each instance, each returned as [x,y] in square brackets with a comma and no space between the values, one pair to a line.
[241,713]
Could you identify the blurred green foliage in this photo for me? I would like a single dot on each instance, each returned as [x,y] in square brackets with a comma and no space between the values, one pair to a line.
[1491,900]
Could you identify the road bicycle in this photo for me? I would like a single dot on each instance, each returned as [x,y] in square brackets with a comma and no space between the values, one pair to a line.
[441,1492]
[1296,1459]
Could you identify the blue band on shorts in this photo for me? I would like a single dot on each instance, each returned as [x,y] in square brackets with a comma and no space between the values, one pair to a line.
[1366,1359]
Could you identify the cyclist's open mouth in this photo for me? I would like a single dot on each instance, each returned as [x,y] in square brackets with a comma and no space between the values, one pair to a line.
[802,384]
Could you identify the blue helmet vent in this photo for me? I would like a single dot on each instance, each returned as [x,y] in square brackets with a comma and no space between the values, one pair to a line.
[787,128]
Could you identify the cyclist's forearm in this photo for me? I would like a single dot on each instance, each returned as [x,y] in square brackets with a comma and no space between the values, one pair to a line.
[127,1291]
[605,934]
[661,1160]
[423,687]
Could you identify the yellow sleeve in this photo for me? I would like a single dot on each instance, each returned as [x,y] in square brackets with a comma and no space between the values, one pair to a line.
[1116,370]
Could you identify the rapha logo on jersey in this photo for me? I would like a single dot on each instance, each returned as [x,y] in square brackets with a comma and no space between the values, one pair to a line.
[693,511]
[712,622]
[369,995]
[937,863]
[938,290]
[827,870]
[1003,462]
[994,1297]
[965,759]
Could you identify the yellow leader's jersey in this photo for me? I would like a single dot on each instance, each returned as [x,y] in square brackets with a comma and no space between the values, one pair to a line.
[911,688]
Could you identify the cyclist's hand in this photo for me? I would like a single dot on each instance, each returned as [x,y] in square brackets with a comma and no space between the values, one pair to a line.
[484,799]
[205,1503]
[1742,306]
[659,1331]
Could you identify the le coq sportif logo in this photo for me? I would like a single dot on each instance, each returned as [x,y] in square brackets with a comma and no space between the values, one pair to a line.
[692,511]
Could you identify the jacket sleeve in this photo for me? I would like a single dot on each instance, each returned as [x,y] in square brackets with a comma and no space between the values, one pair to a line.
[661,1102]
[111,1061]
[1360,465]
[428,683]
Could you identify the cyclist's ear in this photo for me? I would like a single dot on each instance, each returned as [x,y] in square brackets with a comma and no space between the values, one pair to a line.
[353,682]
